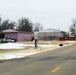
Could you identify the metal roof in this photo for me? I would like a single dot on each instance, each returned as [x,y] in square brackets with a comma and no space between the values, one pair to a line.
[9,30]
[15,31]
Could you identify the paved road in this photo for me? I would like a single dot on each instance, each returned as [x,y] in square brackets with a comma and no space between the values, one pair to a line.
[60,61]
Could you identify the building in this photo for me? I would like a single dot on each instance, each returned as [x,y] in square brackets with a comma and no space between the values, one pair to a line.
[48,34]
[17,35]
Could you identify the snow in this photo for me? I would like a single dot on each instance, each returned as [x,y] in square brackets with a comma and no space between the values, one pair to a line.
[9,30]
[71,41]
[9,56]
[20,46]
[11,46]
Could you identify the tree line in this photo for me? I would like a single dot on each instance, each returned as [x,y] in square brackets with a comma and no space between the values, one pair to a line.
[23,24]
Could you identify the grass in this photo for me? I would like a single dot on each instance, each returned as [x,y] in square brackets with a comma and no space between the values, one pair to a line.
[31,49]
[54,42]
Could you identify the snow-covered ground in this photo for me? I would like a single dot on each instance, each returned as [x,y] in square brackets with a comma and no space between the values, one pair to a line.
[20,46]
[11,46]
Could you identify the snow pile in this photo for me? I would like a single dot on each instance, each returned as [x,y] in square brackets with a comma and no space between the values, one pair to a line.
[11,46]
[12,56]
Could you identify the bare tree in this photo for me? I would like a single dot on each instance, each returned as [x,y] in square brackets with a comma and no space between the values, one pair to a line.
[7,25]
[38,27]
[73,27]
[11,25]
[4,25]
[25,25]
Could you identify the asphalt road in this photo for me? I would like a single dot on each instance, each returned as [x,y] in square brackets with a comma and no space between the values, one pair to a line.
[60,61]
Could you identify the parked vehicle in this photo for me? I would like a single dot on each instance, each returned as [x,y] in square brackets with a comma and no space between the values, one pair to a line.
[5,40]
[0,40]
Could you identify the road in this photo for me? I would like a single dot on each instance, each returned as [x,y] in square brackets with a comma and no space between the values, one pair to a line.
[61,61]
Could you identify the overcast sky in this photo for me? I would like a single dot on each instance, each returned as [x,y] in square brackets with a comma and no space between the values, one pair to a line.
[56,14]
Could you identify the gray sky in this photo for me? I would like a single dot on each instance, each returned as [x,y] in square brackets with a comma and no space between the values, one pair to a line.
[56,14]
